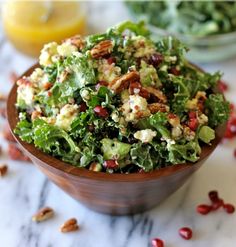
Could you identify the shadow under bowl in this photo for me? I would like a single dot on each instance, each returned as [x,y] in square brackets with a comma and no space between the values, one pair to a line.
[115,194]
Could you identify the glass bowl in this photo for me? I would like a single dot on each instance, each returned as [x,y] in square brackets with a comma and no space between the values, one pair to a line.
[203,49]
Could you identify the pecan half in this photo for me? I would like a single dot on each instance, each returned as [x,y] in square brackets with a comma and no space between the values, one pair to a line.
[43,214]
[103,48]
[77,41]
[3,170]
[156,107]
[118,85]
[69,226]
[157,93]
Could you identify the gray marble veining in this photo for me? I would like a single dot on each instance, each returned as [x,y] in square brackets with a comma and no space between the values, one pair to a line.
[25,190]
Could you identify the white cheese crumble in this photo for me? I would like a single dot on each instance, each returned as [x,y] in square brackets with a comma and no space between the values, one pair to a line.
[107,72]
[49,50]
[25,93]
[202,119]
[66,49]
[137,103]
[66,116]
[145,136]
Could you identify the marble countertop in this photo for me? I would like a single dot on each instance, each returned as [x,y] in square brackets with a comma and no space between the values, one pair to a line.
[25,189]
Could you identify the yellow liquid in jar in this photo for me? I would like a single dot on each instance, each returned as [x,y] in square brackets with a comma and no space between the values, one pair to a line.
[30,24]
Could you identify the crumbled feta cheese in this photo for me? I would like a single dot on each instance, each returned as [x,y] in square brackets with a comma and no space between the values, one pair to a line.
[85,94]
[25,93]
[48,51]
[107,72]
[145,136]
[137,103]
[66,49]
[135,107]
[66,116]
[189,135]
[169,142]
[176,132]
[115,116]
[39,78]
[202,119]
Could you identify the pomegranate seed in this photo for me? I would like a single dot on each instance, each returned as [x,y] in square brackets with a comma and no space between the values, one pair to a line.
[100,83]
[157,242]
[110,164]
[186,233]
[213,195]
[203,209]
[222,86]
[156,59]
[16,154]
[217,204]
[175,71]
[234,153]
[192,114]
[100,111]
[171,116]
[49,93]
[193,124]
[111,60]
[82,107]
[229,208]
[7,135]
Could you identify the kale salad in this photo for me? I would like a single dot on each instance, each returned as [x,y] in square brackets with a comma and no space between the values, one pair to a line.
[198,18]
[119,102]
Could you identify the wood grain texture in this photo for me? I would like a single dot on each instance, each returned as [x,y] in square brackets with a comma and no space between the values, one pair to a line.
[116,194]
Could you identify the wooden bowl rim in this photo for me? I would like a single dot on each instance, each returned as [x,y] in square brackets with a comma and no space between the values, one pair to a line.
[52,162]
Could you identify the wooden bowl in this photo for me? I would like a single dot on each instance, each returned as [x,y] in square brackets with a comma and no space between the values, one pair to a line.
[116,194]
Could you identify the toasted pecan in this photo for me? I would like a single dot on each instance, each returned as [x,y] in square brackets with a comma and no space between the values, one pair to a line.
[157,93]
[77,41]
[69,226]
[102,48]
[118,85]
[156,107]
[43,214]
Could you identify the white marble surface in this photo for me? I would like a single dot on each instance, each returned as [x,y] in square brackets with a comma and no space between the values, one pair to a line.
[24,190]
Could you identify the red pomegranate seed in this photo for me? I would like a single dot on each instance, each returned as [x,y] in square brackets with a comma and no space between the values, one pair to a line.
[156,59]
[110,164]
[175,71]
[100,111]
[193,124]
[82,107]
[229,208]
[222,86]
[213,195]
[192,114]
[203,209]
[111,60]
[186,233]
[16,154]
[217,204]
[157,242]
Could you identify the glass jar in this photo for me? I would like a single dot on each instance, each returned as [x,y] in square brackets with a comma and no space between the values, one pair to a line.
[31,24]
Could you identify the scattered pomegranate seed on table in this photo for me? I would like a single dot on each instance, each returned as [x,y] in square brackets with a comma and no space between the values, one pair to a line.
[229,208]
[157,242]
[16,154]
[203,209]
[186,233]
[3,170]
[213,195]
